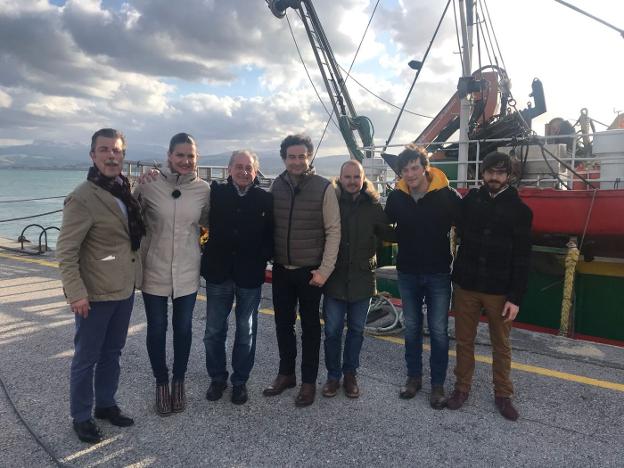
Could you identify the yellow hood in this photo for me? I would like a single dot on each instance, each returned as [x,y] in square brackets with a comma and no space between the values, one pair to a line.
[437,180]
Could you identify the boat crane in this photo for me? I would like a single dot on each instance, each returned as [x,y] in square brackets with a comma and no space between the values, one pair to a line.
[349,121]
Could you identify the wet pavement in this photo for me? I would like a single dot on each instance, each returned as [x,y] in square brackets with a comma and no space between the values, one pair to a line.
[570,395]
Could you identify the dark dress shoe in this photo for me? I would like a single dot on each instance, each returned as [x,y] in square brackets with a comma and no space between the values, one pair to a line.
[330,388]
[215,391]
[411,387]
[306,395]
[88,431]
[506,408]
[350,385]
[114,416]
[239,394]
[281,383]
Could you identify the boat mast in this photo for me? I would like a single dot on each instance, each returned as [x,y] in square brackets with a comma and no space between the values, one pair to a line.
[466,8]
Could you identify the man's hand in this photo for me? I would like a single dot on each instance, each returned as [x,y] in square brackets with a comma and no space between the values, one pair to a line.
[510,311]
[317,279]
[81,307]
[147,177]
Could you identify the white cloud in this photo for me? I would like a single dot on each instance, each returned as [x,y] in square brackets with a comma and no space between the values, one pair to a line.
[5,99]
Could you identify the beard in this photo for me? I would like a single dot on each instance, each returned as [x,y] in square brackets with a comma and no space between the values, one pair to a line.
[494,187]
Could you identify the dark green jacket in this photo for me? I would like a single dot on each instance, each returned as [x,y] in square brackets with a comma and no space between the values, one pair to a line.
[363,222]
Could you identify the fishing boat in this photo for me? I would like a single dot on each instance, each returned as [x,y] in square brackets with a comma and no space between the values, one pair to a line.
[572,177]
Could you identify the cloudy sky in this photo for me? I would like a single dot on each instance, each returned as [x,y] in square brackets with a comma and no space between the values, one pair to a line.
[228,72]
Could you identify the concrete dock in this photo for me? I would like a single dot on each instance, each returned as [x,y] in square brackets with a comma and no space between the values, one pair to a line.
[570,395]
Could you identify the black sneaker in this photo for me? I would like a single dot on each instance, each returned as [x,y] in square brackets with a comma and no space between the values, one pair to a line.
[114,415]
[215,391]
[239,394]
[88,431]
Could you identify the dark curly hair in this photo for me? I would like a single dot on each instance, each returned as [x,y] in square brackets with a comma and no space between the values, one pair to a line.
[293,140]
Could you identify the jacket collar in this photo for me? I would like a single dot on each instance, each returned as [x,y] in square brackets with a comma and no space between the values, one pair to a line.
[368,190]
[437,181]
[176,179]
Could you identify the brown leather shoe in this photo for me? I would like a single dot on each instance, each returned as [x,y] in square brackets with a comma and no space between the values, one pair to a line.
[331,388]
[178,397]
[411,387]
[457,400]
[437,400]
[506,408]
[306,395]
[281,383]
[350,385]
[163,400]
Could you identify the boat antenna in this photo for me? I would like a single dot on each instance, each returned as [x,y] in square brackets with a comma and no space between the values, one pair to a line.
[575,8]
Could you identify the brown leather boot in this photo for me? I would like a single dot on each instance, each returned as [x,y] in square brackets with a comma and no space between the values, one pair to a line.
[331,388]
[350,385]
[411,387]
[306,395]
[506,408]
[281,383]
[457,400]
[163,400]
[178,396]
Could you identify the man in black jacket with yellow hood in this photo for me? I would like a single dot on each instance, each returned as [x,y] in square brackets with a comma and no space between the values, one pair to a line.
[424,208]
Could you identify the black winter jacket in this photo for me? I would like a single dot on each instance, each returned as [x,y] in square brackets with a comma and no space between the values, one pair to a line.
[240,235]
[495,244]
[422,228]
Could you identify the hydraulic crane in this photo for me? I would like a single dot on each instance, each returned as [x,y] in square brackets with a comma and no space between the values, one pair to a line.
[348,121]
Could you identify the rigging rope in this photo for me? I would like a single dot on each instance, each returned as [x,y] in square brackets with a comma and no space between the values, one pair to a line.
[292,34]
[30,199]
[407,111]
[29,217]
[357,51]
[489,19]
[461,57]
[621,31]
[416,77]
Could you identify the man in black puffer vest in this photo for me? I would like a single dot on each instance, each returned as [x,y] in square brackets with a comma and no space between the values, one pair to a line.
[240,242]
[307,236]
[490,273]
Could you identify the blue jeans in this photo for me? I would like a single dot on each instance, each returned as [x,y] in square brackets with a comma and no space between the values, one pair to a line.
[435,288]
[182,322]
[98,342]
[218,306]
[334,311]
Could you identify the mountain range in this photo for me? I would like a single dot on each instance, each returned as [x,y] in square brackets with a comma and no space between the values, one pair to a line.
[53,155]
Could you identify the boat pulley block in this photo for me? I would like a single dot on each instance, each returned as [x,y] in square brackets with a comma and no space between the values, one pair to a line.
[279,7]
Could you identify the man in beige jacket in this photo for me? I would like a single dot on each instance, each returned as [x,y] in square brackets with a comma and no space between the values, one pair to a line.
[100,264]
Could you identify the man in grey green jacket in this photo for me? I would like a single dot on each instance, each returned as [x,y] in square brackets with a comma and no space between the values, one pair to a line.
[349,289]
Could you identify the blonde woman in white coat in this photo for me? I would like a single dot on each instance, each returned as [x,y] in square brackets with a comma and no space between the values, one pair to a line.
[174,207]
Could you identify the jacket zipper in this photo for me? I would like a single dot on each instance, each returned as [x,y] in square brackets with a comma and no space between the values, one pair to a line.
[290,214]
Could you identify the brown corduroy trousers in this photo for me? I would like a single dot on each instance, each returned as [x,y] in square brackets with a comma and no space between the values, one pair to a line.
[467,306]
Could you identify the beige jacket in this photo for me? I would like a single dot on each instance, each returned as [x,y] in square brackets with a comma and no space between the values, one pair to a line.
[93,248]
[171,252]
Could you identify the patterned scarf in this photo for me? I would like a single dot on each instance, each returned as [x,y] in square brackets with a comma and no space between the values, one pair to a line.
[119,187]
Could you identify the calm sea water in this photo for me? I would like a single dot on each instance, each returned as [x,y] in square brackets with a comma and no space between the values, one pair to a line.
[19,184]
